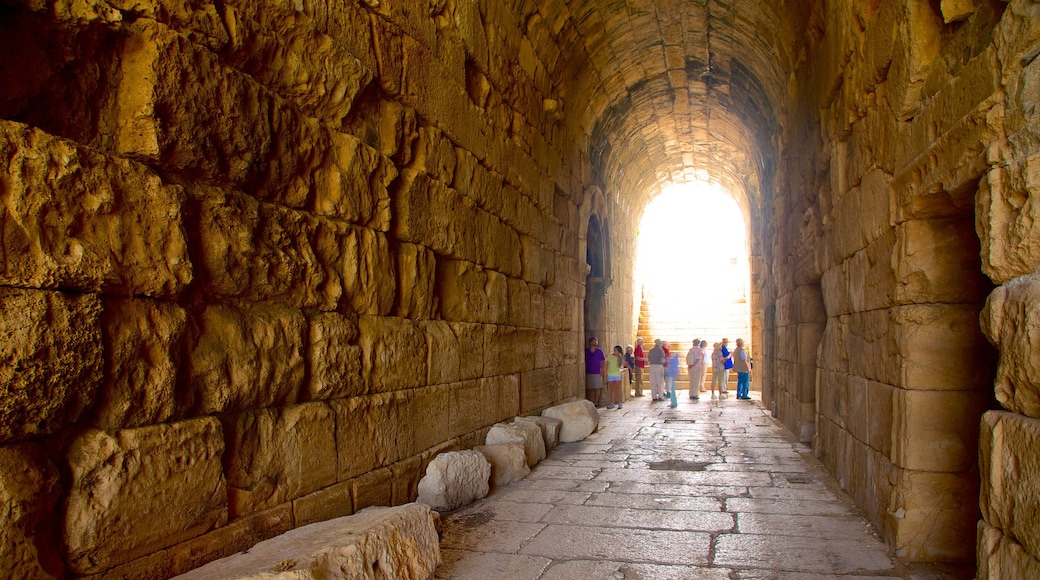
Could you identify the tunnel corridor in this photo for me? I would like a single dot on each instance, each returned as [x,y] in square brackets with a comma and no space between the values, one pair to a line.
[263,261]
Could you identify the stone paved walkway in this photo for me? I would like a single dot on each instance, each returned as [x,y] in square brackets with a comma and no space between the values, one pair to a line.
[707,490]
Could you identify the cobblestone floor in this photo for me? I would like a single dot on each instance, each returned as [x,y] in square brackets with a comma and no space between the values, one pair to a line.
[711,489]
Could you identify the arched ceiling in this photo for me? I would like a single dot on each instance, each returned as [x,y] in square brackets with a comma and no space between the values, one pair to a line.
[675,90]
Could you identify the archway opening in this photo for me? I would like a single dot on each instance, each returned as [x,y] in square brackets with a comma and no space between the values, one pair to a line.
[692,268]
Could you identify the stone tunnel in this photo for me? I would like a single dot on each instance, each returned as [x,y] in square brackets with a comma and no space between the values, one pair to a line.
[262,260]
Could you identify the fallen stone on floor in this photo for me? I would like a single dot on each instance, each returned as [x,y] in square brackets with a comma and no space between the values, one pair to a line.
[527,433]
[378,542]
[455,479]
[508,462]
[579,419]
[550,429]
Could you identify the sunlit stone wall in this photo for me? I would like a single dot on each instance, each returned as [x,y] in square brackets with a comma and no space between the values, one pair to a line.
[915,139]
[261,261]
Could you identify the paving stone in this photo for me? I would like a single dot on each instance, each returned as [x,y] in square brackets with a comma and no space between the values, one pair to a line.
[611,517]
[601,569]
[462,565]
[660,546]
[796,554]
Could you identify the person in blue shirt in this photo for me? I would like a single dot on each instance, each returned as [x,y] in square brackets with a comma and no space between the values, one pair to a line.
[670,372]
[727,356]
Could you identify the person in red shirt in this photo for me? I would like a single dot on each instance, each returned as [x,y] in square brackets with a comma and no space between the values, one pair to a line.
[640,357]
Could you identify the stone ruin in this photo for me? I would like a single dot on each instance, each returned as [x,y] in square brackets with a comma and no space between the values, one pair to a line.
[261,262]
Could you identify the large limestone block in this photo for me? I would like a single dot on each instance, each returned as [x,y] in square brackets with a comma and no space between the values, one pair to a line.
[931,516]
[579,419]
[288,53]
[455,479]
[50,360]
[247,358]
[368,433]
[78,220]
[277,455]
[467,292]
[136,491]
[936,430]
[143,344]
[508,349]
[375,543]
[394,353]
[550,429]
[333,357]
[29,492]
[447,352]
[469,407]
[359,261]
[937,261]
[926,347]
[541,387]
[416,274]
[261,252]
[1009,457]
[422,216]
[508,462]
[999,557]
[527,433]
[1011,321]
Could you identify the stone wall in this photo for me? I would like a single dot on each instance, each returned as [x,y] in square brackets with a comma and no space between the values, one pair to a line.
[915,145]
[262,261]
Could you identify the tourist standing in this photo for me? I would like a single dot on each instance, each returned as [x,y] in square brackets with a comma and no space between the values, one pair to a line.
[727,359]
[656,360]
[630,364]
[615,362]
[640,357]
[595,371]
[705,361]
[718,368]
[742,365]
[694,361]
[667,355]
[670,373]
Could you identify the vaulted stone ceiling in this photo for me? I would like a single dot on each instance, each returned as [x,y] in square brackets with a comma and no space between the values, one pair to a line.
[674,90]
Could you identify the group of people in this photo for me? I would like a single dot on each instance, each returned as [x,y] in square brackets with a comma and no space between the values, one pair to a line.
[663,366]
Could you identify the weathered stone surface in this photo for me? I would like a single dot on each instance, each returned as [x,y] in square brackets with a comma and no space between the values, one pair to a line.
[325,504]
[143,346]
[246,358]
[416,274]
[237,536]
[395,353]
[276,455]
[508,462]
[50,360]
[1001,557]
[938,506]
[159,485]
[76,219]
[455,479]
[550,429]
[528,433]
[935,430]
[469,293]
[333,357]
[1009,457]
[368,433]
[579,419]
[378,542]
[29,490]
[1011,322]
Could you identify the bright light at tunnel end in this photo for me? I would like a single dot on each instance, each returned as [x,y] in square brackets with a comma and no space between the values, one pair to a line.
[692,261]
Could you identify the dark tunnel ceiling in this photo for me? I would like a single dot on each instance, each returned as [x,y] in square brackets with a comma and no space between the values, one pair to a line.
[677,88]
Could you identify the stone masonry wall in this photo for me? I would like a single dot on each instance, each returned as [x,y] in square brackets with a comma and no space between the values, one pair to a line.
[924,131]
[261,261]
